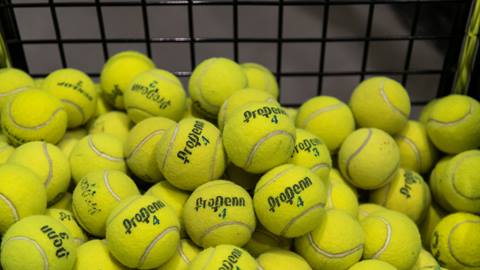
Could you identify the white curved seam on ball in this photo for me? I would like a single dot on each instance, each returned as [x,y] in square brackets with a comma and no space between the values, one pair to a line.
[14,91]
[50,165]
[100,153]
[181,253]
[78,218]
[78,241]
[329,195]
[332,255]
[450,243]
[414,147]
[273,179]
[294,219]
[112,218]
[214,158]
[144,141]
[454,180]
[318,166]
[390,175]
[10,205]
[320,111]
[259,143]
[352,156]
[389,103]
[170,146]
[204,267]
[109,188]
[224,110]
[455,121]
[223,224]
[50,119]
[379,253]
[82,113]
[259,266]
[152,244]
[385,194]
[139,109]
[37,247]
[269,234]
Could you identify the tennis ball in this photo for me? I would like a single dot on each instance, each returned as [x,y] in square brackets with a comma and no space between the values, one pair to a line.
[366,209]
[336,177]
[46,241]
[140,147]
[76,91]
[336,243]
[263,241]
[96,152]
[224,257]
[391,237]
[6,151]
[289,200]
[239,99]
[282,259]
[12,82]
[50,164]
[38,82]
[67,219]
[212,82]
[372,264]
[437,177]
[456,241]
[64,203]
[369,158]
[417,153]
[434,214]
[185,252]
[94,254]
[426,110]
[119,71]
[292,113]
[97,194]
[382,103]
[226,212]
[261,78]
[22,194]
[34,115]
[255,131]
[425,261]
[70,139]
[113,123]
[155,92]
[190,153]
[241,177]
[328,118]
[310,152]
[341,197]
[407,193]
[142,232]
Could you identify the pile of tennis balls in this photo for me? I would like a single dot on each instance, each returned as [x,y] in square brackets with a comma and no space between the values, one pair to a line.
[131,173]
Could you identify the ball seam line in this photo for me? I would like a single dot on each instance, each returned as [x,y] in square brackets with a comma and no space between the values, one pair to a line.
[273,179]
[385,194]
[389,103]
[379,252]
[75,105]
[37,127]
[152,244]
[332,255]
[169,147]
[223,224]
[10,205]
[14,91]
[224,108]
[258,144]
[198,82]
[100,153]
[144,141]
[181,253]
[294,219]
[50,165]
[315,113]
[214,158]
[415,149]
[454,180]
[450,249]
[139,109]
[329,195]
[352,156]
[109,188]
[269,234]
[112,218]
[210,258]
[37,247]
[318,166]
[455,121]
[78,218]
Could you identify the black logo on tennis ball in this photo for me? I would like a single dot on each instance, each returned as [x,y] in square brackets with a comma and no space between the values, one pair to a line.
[219,202]
[150,91]
[307,145]
[88,191]
[287,196]
[410,179]
[57,240]
[143,216]
[231,260]
[77,87]
[194,139]
[264,111]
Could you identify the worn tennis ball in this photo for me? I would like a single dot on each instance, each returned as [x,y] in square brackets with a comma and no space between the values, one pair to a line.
[6,151]
[255,131]
[310,152]
[224,257]
[407,193]
[68,220]
[239,99]
[391,237]
[382,103]
[155,92]
[328,118]
[341,197]
[142,232]
[437,177]
[64,203]
[185,252]
[34,115]
[289,200]
[212,82]
[434,214]
[425,261]
[96,152]
[50,164]
[94,254]
[454,124]
[372,264]
[426,110]
[119,71]
[76,91]
[191,153]
[282,260]
[97,194]
[263,241]
[336,243]
[366,209]
[456,241]
[12,82]
[261,78]
[114,123]
[241,177]
[70,139]
[45,241]
[369,158]
[22,194]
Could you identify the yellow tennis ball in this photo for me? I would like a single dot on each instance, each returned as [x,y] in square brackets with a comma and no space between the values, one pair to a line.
[142,232]
[437,177]
[191,153]
[68,220]
[113,123]
[382,103]
[426,110]
[241,177]
[185,252]
[336,243]
[6,151]
[224,257]
[22,194]
[310,152]
[454,124]
[76,91]
[260,77]
[289,200]
[372,264]
[456,241]
[391,237]
[96,152]
[369,158]
[34,115]
[425,261]
[12,82]
[70,139]
[292,113]
[119,71]
[46,241]
[263,241]
[434,214]
[407,193]
[366,209]
[97,194]
[94,254]
[282,260]
[239,99]
[64,203]
[255,131]
[155,92]
[38,82]
[328,118]
[336,177]
[341,197]
[212,82]
[226,212]
[50,164]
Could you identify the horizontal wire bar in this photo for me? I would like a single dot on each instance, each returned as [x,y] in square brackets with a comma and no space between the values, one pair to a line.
[414,103]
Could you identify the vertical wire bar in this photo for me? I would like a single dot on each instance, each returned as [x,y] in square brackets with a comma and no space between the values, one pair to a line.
[146,28]
[413,32]
[10,30]
[58,36]
[321,67]
[366,47]
[279,45]
[101,25]
[191,34]
[235,30]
